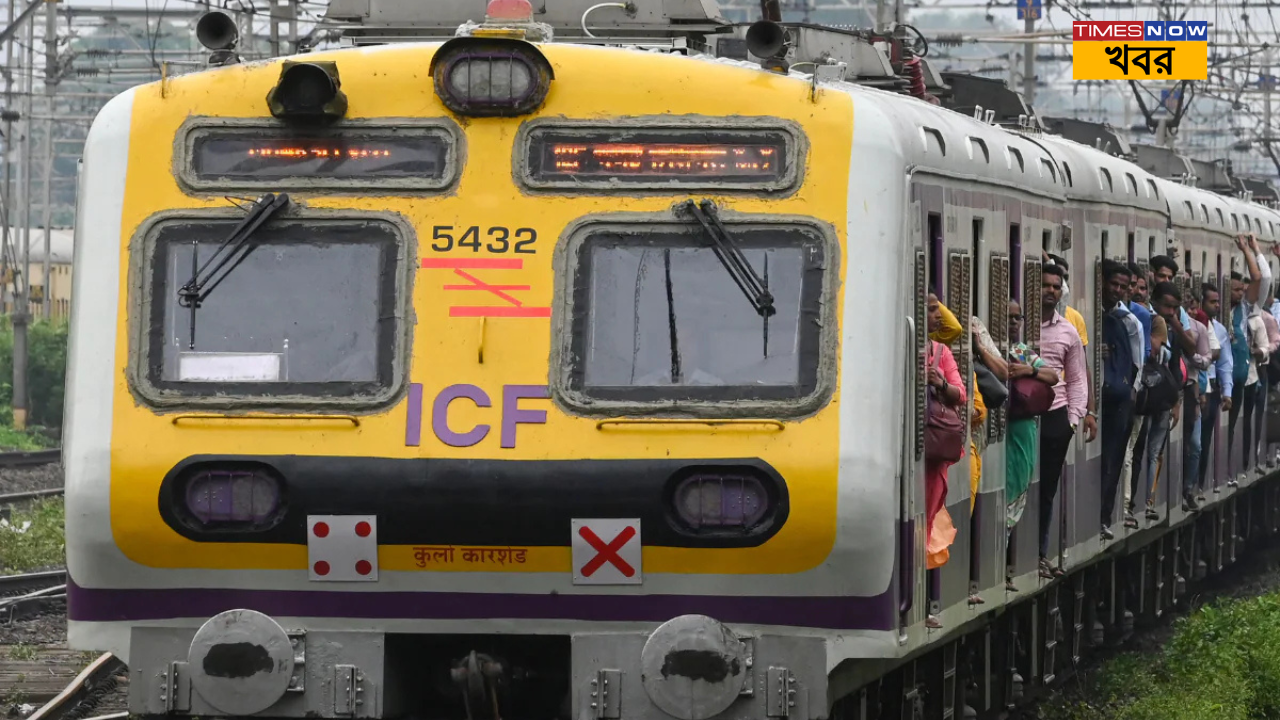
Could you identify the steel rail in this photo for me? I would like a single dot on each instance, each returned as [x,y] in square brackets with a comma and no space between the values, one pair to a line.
[30,495]
[30,459]
[27,582]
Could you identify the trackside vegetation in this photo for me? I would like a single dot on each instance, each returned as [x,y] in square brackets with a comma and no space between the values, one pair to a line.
[1222,663]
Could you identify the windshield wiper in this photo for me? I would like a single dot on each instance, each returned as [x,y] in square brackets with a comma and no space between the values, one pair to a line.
[227,257]
[731,257]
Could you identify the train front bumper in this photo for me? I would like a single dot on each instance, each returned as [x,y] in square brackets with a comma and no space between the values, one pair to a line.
[692,667]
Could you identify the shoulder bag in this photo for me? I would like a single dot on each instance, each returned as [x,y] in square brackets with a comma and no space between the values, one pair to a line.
[945,431]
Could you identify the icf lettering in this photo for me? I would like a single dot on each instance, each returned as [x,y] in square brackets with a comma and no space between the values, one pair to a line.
[511,417]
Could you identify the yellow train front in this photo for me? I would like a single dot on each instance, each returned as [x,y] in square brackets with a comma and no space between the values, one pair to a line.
[464,380]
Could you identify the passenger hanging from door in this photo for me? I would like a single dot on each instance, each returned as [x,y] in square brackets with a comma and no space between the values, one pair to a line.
[1121,364]
[1221,380]
[1248,342]
[1021,372]
[1062,350]
[945,435]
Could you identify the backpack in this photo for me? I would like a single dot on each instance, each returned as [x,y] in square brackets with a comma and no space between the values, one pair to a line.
[1117,369]
[1159,392]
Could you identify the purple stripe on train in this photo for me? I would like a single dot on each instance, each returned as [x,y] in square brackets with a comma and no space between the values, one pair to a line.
[838,613]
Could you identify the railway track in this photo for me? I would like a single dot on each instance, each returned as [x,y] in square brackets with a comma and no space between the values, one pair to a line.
[30,459]
[18,497]
[25,460]
[26,583]
[83,694]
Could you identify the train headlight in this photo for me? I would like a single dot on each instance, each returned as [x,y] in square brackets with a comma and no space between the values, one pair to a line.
[491,77]
[308,91]
[709,499]
[231,498]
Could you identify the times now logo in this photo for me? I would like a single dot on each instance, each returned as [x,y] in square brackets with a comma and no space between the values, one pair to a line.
[1140,30]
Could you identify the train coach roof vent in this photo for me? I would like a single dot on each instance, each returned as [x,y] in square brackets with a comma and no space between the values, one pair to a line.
[967,92]
[1162,162]
[1262,189]
[642,22]
[811,45]
[1096,135]
[1216,176]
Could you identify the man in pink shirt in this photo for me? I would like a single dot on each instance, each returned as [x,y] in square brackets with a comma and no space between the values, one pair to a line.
[1062,351]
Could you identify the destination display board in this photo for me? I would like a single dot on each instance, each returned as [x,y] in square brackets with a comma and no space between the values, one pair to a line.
[683,157]
[230,156]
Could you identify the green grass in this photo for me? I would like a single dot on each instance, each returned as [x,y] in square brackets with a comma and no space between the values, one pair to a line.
[11,440]
[22,652]
[43,543]
[1223,663]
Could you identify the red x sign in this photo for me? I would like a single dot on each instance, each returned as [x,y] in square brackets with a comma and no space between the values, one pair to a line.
[608,553]
[615,561]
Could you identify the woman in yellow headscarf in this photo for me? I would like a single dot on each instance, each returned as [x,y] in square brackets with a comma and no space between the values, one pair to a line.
[948,332]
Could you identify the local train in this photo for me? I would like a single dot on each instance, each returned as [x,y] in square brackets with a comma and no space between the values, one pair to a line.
[368,414]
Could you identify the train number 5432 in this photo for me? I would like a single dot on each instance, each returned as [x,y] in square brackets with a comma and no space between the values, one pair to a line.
[495,240]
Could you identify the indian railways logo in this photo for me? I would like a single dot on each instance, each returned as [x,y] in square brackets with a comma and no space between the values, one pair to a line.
[1140,50]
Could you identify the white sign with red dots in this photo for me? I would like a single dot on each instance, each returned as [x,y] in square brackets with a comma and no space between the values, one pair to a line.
[342,548]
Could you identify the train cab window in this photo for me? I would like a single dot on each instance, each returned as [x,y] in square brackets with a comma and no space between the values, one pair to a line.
[310,312]
[706,342]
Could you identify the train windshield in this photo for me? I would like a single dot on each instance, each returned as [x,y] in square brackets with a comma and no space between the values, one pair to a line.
[658,318]
[309,312]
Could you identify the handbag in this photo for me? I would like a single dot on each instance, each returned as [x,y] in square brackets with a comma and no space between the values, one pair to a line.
[1028,398]
[994,392]
[944,431]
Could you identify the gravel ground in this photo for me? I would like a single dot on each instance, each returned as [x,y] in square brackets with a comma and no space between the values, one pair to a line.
[35,664]
[41,477]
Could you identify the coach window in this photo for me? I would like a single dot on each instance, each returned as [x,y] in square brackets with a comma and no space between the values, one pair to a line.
[312,312]
[707,343]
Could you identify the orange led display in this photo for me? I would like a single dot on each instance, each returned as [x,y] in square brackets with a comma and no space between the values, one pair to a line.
[241,156]
[755,162]
[730,162]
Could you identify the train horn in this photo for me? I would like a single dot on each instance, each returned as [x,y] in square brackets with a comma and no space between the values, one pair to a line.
[765,38]
[217,31]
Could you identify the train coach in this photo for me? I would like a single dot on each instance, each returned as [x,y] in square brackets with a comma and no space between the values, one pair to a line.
[508,377]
